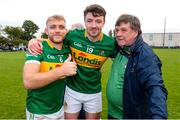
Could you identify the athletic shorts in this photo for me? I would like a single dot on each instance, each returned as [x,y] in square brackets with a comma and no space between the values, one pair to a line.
[54,116]
[92,103]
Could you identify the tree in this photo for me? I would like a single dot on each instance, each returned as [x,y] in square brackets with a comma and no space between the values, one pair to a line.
[30,28]
[13,33]
[3,40]
[0,29]
[44,35]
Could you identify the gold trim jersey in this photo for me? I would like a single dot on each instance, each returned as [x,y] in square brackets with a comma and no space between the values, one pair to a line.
[89,56]
[48,99]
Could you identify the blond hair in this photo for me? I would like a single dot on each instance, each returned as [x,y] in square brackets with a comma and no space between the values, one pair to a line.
[55,17]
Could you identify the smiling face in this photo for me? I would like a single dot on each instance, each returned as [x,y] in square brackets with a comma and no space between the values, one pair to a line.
[125,35]
[93,25]
[56,30]
[127,29]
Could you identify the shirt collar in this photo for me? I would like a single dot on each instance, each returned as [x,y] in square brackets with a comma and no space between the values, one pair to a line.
[49,43]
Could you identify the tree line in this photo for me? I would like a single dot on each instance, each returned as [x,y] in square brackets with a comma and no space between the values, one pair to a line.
[16,35]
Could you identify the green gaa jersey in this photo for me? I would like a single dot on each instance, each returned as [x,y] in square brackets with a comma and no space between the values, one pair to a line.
[48,99]
[89,57]
[114,88]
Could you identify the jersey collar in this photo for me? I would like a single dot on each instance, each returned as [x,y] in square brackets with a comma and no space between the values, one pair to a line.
[49,43]
[99,38]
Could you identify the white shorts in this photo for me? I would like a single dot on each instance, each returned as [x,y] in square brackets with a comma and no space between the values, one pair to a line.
[54,116]
[92,103]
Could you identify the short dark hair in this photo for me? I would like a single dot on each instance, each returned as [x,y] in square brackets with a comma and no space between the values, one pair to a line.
[96,10]
[132,20]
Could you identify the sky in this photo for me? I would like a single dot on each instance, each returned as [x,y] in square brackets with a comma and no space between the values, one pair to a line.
[152,13]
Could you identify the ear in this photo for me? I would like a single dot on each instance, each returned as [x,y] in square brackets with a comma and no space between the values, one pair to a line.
[67,30]
[46,31]
[103,23]
[135,34]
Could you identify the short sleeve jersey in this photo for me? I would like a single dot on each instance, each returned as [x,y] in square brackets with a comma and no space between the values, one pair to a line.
[114,87]
[89,57]
[48,99]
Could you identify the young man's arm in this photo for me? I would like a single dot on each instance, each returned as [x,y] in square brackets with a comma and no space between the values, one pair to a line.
[34,79]
[35,45]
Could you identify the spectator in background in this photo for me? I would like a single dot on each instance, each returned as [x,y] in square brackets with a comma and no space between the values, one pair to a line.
[77,26]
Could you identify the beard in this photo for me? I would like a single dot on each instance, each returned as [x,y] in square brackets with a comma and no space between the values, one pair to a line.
[93,34]
[57,42]
[57,39]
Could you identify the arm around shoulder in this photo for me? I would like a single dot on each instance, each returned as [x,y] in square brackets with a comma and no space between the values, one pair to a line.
[35,46]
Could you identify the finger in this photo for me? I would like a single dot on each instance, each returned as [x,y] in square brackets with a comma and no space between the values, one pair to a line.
[37,45]
[41,46]
[35,50]
[75,72]
[40,39]
[75,67]
[68,59]
[40,42]
[32,51]
[74,63]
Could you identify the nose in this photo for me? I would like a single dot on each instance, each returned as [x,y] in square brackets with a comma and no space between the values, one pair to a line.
[57,29]
[118,33]
[93,24]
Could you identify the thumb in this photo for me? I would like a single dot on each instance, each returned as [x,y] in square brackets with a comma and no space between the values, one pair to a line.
[68,59]
[39,42]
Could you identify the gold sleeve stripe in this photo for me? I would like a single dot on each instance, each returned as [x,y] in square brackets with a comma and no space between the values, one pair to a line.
[46,66]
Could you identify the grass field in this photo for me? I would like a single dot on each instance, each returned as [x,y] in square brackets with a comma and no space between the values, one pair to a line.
[13,95]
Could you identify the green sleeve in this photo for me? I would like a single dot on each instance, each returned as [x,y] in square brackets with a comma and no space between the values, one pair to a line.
[115,51]
[33,57]
[68,37]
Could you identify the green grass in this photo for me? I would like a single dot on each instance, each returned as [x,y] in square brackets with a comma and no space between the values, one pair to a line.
[13,95]
[171,75]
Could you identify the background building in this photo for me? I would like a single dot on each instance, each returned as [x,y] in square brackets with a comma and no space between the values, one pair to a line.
[162,40]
